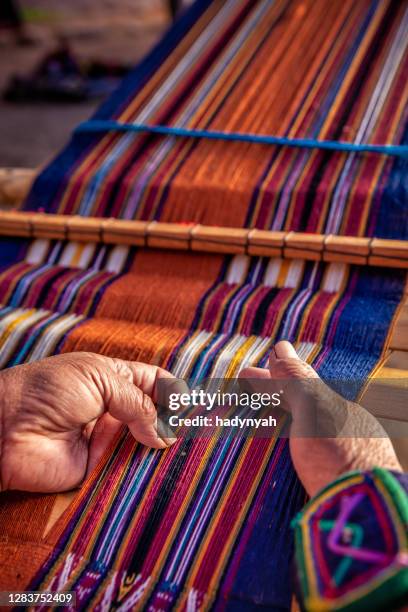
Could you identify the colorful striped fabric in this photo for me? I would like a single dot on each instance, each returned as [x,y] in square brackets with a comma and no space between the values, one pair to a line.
[206,524]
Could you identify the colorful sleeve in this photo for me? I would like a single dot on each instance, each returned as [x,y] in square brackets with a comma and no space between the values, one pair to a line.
[351,544]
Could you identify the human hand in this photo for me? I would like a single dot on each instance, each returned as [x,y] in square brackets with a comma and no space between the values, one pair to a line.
[320,460]
[60,414]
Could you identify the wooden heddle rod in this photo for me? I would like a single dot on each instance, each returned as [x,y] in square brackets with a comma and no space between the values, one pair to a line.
[196,237]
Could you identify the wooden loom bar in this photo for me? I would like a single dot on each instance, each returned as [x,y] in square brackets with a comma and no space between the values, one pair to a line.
[399,335]
[196,237]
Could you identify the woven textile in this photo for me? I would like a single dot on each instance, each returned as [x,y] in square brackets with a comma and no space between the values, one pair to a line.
[207,522]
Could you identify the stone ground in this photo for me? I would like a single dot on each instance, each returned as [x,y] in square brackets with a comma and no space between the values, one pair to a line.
[119,30]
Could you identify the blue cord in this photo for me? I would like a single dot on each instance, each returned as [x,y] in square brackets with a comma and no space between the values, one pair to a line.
[302,143]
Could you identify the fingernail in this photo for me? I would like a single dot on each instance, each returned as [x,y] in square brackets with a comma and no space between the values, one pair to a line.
[163,432]
[169,441]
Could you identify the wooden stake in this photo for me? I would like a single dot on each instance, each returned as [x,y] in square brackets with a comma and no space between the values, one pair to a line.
[15,184]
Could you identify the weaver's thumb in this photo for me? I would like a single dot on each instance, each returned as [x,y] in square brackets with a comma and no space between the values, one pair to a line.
[127,403]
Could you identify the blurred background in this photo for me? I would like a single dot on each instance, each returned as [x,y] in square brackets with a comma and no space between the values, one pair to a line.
[59,59]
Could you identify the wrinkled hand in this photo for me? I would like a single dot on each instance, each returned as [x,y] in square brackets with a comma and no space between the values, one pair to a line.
[320,460]
[59,415]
